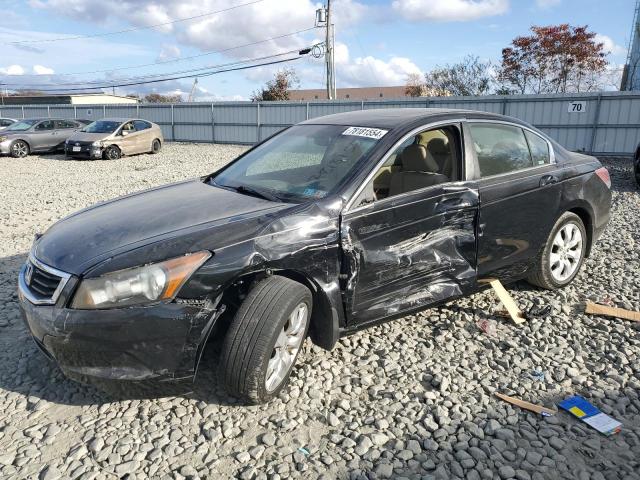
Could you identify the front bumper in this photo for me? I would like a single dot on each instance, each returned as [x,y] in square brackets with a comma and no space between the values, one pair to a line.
[85,151]
[159,342]
[5,147]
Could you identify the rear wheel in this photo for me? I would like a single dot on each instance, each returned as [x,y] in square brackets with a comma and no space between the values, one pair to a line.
[563,255]
[112,152]
[156,146]
[19,149]
[264,339]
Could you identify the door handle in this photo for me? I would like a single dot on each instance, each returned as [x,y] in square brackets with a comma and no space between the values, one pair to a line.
[548,180]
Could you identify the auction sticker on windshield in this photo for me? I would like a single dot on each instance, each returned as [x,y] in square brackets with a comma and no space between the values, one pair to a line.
[376,133]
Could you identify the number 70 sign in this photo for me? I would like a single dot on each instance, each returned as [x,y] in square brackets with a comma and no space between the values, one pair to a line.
[577,107]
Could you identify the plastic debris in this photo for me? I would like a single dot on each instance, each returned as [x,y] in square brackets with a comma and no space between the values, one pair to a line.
[489,327]
[304,451]
[539,311]
[537,375]
[591,415]
[526,405]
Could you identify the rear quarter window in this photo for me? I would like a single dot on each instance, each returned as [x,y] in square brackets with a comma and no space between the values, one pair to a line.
[539,148]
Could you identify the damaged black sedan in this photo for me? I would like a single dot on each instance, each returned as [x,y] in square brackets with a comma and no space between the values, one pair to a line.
[330,226]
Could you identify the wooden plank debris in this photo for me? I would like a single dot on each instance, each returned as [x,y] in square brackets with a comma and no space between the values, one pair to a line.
[526,405]
[507,300]
[597,309]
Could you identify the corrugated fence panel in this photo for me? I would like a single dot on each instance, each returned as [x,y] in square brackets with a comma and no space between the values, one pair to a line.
[10,112]
[121,111]
[607,122]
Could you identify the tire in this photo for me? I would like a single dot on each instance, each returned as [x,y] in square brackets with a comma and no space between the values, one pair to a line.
[568,255]
[19,149]
[249,350]
[636,170]
[156,146]
[112,152]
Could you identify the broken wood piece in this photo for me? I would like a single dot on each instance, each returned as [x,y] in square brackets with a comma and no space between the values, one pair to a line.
[597,309]
[506,299]
[526,405]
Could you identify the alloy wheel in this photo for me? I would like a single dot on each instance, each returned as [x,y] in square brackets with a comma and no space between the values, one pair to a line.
[19,149]
[287,346]
[566,252]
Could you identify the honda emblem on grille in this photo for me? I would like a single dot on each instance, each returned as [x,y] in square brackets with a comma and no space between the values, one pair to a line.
[77,144]
[28,273]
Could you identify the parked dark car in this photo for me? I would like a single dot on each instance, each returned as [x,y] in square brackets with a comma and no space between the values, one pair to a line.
[330,226]
[36,135]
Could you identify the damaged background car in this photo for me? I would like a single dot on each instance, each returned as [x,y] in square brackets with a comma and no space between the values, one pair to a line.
[333,225]
[111,138]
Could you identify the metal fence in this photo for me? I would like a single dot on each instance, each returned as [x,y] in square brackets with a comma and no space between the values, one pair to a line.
[602,123]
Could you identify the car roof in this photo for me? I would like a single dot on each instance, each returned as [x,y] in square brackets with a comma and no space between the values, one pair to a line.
[390,118]
[121,119]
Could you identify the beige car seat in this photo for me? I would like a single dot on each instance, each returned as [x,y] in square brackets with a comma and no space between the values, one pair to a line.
[418,171]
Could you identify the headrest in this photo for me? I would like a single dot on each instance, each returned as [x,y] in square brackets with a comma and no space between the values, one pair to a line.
[437,146]
[416,158]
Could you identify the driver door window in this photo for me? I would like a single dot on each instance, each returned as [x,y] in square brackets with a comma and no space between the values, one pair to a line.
[430,157]
[44,126]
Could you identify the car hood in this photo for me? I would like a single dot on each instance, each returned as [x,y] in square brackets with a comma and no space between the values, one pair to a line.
[156,224]
[88,137]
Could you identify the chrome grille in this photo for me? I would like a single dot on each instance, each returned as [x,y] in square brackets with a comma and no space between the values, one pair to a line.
[40,283]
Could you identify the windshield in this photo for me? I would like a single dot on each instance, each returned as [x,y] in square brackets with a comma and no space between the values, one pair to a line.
[101,126]
[21,125]
[303,162]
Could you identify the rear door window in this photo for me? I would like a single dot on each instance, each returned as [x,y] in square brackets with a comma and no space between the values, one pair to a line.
[65,124]
[46,125]
[141,125]
[500,148]
[539,148]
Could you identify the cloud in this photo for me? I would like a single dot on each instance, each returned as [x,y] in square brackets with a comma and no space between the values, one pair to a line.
[371,71]
[168,52]
[41,70]
[12,70]
[449,10]
[610,46]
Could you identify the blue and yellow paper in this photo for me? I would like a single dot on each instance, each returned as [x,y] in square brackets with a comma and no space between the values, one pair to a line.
[591,415]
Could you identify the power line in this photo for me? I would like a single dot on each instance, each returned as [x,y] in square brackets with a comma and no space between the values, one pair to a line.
[203,74]
[133,29]
[145,77]
[174,60]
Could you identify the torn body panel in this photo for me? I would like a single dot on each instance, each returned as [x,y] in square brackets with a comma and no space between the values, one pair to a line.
[410,252]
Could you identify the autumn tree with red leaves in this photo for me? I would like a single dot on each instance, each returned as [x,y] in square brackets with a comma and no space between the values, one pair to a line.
[554,59]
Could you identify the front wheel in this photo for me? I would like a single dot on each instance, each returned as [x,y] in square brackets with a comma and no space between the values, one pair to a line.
[264,339]
[563,255]
[112,153]
[19,149]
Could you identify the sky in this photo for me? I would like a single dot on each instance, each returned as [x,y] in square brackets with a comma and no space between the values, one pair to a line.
[381,42]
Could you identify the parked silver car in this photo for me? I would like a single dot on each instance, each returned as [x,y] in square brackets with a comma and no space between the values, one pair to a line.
[5,122]
[36,135]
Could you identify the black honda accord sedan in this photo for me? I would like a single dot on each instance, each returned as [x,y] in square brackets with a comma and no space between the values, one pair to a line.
[330,226]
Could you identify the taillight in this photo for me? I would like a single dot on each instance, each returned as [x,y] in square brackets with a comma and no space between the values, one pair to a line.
[603,173]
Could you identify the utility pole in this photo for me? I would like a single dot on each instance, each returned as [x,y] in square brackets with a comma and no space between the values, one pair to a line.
[323,17]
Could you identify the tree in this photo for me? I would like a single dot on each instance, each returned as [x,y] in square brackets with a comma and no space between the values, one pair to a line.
[415,86]
[468,77]
[554,59]
[277,88]
[159,98]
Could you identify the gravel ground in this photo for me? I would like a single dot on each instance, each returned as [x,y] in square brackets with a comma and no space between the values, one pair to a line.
[413,398]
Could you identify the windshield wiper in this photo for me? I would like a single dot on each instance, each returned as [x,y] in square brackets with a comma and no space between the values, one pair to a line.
[256,192]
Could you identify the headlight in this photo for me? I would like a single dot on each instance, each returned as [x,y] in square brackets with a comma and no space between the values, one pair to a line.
[2,139]
[139,285]
[97,143]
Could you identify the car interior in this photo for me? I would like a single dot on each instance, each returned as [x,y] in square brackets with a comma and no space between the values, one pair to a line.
[429,158]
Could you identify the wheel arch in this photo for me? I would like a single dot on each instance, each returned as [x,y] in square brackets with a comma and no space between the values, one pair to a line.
[20,139]
[583,210]
[324,329]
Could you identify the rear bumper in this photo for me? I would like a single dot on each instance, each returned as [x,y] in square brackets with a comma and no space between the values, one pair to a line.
[158,342]
[5,147]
